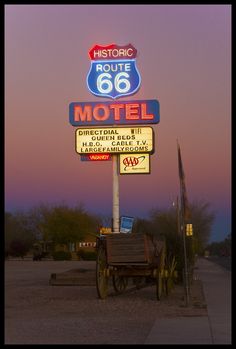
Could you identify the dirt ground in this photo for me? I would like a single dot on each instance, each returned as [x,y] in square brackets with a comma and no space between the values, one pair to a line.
[39,313]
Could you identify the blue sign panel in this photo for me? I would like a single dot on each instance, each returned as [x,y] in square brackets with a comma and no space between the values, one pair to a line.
[113,78]
[126,224]
[114,113]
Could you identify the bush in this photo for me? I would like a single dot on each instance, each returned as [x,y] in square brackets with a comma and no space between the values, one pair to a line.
[61,256]
[87,255]
[18,248]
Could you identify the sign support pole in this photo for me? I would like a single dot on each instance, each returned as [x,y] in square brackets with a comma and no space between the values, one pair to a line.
[186,280]
[115,184]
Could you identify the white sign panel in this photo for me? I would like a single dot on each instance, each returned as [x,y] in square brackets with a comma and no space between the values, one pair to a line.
[134,163]
[114,140]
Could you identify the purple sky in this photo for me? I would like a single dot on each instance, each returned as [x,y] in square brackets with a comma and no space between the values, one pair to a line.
[184,59]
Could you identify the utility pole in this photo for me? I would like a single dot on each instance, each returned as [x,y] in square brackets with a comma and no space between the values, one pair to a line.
[177,214]
[181,230]
[186,278]
[183,207]
[115,184]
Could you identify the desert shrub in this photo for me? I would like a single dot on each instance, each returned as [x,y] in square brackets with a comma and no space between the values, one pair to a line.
[87,255]
[61,256]
[18,248]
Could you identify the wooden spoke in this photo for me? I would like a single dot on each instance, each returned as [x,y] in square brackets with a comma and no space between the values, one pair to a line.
[119,283]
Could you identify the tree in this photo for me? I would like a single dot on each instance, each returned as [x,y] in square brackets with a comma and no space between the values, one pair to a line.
[18,248]
[220,248]
[18,236]
[63,225]
[141,226]
[36,216]
[202,218]
[164,224]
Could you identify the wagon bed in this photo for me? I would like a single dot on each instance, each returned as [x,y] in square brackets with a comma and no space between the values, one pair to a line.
[123,256]
[135,249]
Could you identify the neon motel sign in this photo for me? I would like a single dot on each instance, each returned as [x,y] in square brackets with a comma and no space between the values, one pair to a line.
[111,113]
[113,72]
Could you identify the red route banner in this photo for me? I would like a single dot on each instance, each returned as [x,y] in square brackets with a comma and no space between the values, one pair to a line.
[113,51]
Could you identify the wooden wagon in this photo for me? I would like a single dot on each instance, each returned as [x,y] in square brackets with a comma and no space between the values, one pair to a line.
[122,256]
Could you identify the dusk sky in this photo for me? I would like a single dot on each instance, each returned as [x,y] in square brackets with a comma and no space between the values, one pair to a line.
[184,60]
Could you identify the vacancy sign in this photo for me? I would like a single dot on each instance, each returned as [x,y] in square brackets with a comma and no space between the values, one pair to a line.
[115,140]
[134,163]
[96,157]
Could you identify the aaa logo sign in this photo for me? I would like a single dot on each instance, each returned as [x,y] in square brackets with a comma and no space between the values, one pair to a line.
[113,72]
[134,163]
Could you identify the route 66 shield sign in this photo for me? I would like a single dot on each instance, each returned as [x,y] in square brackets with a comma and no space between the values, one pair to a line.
[113,72]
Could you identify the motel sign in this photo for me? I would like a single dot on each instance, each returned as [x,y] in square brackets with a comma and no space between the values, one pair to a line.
[113,72]
[114,140]
[113,113]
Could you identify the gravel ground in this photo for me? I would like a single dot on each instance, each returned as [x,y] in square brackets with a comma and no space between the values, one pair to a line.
[39,313]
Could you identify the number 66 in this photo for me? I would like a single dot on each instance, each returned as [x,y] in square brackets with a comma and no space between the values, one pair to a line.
[103,79]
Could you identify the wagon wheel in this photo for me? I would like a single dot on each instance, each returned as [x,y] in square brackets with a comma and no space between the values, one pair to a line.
[159,286]
[119,283]
[101,275]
